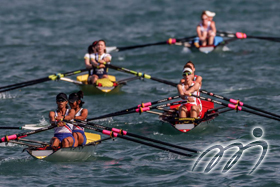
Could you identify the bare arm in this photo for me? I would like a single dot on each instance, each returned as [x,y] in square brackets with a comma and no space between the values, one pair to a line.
[83,115]
[180,91]
[213,28]
[52,118]
[202,35]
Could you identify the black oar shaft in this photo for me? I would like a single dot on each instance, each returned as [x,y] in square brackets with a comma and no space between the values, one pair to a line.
[170,41]
[140,142]
[139,74]
[127,111]
[36,81]
[136,136]
[236,108]
[10,127]
[21,135]
[240,103]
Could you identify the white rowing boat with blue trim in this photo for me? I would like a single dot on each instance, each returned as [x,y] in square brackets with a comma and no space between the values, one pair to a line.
[79,153]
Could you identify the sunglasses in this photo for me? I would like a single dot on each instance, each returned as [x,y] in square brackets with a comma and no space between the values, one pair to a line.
[187,73]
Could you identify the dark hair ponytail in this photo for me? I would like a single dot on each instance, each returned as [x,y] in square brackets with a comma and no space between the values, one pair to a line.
[81,95]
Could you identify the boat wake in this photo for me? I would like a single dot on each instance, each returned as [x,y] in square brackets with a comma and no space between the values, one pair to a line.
[6,96]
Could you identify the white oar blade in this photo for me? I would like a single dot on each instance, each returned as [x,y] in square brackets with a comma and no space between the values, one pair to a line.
[111,49]
[31,128]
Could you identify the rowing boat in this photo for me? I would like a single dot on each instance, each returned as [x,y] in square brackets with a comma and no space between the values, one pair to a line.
[103,85]
[186,124]
[79,153]
[193,46]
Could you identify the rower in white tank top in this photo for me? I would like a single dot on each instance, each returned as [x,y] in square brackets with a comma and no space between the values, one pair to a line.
[77,127]
[67,128]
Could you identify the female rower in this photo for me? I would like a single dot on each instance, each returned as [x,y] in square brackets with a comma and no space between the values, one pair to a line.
[63,132]
[81,114]
[89,57]
[193,107]
[210,16]
[100,61]
[205,31]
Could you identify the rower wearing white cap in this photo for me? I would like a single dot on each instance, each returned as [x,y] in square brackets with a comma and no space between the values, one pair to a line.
[193,107]
[206,30]
[210,16]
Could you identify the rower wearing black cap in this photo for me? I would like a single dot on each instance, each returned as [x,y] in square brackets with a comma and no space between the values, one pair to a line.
[63,132]
[80,114]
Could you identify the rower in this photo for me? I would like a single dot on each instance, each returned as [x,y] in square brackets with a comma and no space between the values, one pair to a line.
[63,132]
[197,78]
[89,57]
[193,107]
[210,16]
[80,114]
[99,62]
[206,30]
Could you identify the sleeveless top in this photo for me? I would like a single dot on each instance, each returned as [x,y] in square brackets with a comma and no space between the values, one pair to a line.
[77,127]
[97,57]
[202,29]
[64,129]
[197,93]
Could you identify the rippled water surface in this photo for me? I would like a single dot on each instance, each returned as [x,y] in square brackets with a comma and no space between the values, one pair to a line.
[39,38]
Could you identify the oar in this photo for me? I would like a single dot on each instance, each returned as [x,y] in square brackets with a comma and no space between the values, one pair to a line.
[241,35]
[134,108]
[139,74]
[122,132]
[236,107]
[22,128]
[36,81]
[239,103]
[170,41]
[139,110]
[22,135]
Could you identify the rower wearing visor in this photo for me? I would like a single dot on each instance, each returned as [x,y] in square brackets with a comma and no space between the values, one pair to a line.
[80,114]
[190,87]
[63,131]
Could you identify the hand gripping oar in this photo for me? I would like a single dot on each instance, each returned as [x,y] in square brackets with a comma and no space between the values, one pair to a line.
[239,103]
[36,81]
[134,108]
[22,135]
[121,133]
[170,41]
[235,107]
[139,74]
[240,35]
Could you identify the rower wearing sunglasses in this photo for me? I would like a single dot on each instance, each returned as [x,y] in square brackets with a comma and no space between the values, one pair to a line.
[193,107]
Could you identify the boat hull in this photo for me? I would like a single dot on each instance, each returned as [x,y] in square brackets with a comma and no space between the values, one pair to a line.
[64,154]
[219,45]
[92,89]
[67,154]
[186,124]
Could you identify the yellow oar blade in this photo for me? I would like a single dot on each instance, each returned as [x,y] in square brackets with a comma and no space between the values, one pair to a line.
[91,137]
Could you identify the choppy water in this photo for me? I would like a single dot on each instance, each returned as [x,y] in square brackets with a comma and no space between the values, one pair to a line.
[39,38]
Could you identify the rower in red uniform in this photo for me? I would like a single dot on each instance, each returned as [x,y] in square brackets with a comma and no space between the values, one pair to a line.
[81,114]
[197,78]
[63,131]
[190,86]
